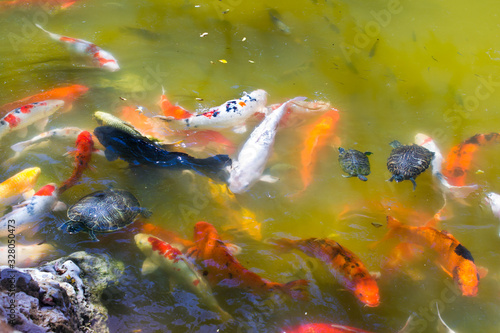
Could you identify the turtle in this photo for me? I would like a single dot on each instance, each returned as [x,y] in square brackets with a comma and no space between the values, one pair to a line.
[354,163]
[406,162]
[103,211]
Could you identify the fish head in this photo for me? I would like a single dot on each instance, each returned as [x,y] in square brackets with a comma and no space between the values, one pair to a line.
[259,96]
[203,230]
[106,61]
[493,200]
[141,240]
[47,190]
[53,103]
[466,277]
[32,173]
[366,290]
[84,137]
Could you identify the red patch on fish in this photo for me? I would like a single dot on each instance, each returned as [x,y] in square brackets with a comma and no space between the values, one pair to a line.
[68,39]
[164,249]
[209,114]
[47,190]
[12,120]
[27,108]
[196,283]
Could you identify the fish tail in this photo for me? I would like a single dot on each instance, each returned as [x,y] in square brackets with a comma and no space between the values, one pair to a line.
[296,289]
[20,146]
[214,167]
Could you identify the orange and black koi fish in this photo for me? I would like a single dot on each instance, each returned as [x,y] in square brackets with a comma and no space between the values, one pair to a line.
[453,257]
[68,94]
[458,161]
[220,266]
[342,263]
[83,155]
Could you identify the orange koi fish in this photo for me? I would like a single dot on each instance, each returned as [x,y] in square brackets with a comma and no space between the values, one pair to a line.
[342,263]
[19,184]
[83,155]
[458,161]
[60,4]
[221,267]
[168,236]
[100,58]
[68,94]
[170,110]
[322,328]
[453,257]
[317,135]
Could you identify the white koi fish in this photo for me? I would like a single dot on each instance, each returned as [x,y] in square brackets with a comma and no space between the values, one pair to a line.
[233,113]
[30,212]
[67,132]
[458,192]
[255,152]
[493,199]
[20,118]
[100,58]
[29,255]
[161,254]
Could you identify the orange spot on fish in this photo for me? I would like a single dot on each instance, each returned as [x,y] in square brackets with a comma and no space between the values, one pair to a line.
[12,120]
[241,103]
[47,190]
[196,282]
[27,108]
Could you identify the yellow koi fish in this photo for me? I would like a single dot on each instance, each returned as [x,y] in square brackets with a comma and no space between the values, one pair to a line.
[17,185]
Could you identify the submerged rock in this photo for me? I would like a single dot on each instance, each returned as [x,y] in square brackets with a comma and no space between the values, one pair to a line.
[60,296]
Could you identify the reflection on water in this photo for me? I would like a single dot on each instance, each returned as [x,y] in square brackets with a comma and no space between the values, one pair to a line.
[392,68]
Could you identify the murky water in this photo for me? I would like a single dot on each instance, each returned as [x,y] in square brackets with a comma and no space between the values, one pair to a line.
[392,68]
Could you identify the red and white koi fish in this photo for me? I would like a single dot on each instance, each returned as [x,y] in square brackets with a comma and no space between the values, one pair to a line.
[458,161]
[220,267]
[100,58]
[31,211]
[253,156]
[342,263]
[458,192]
[232,113]
[67,132]
[322,328]
[68,94]
[83,155]
[21,183]
[161,254]
[20,118]
[29,255]
[453,257]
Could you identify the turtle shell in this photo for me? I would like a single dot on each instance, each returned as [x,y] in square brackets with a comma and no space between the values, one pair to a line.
[105,211]
[408,161]
[354,162]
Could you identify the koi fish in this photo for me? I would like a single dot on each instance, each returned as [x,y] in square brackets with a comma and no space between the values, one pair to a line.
[68,94]
[459,192]
[322,328]
[29,255]
[493,199]
[21,183]
[458,161]
[144,124]
[31,211]
[67,132]
[170,110]
[232,113]
[256,151]
[220,267]
[299,108]
[107,119]
[161,254]
[62,4]
[100,58]
[83,155]
[453,257]
[317,136]
[342,263]
[19,119]
[137,151]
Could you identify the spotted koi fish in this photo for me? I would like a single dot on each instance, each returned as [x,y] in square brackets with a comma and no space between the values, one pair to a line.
[458,161]
[342,263]
[33,210]
[220,267]
[161,254]
[17,185]
[68,94]
[83,155]
[35,113]
[232,113]
[67,132]
[458,192]
[453,257]
[100,58]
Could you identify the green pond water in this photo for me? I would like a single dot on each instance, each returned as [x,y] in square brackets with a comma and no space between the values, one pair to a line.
[392,68]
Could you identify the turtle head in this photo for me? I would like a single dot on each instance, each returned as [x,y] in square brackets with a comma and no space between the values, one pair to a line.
[341,150]
[395,144]
[72,227]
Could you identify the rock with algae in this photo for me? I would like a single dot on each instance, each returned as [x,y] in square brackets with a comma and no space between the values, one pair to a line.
[60,296]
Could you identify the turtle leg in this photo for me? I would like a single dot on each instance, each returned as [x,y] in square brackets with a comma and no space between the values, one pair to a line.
[414,183]
[146,212]
[363,178]
[347,176]
[92,235]
[391,179]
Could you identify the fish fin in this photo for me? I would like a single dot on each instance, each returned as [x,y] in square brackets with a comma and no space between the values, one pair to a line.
[376,275]
[60,206]
[445,270]
[148,267]
[67,4]
[22,132]
[268,179]
[297,289]
[442,321]
[28,194]
[240,129]
[110,155]
[40,125]
[70,153]
[233,248]
[21,205]
[99,152]
[482,271]
[407,325]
